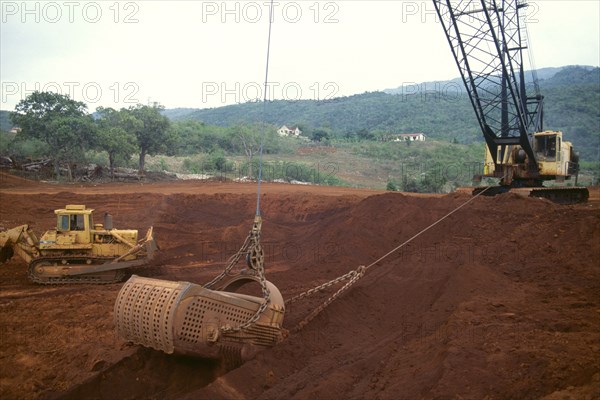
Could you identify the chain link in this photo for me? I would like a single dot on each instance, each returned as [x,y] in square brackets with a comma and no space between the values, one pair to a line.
[233,260]
[355,275]
[352,277]
[251,246]
[322,287]
[260,274]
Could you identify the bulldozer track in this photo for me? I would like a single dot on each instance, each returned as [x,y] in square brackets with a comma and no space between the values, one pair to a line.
[36,270]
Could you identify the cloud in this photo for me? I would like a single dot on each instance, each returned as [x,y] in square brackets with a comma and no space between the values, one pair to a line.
[169,51]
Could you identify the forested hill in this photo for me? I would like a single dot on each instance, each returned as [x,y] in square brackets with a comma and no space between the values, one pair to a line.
[572,104]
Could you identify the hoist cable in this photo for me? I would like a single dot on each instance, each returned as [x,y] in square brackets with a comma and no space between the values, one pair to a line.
[353,276]
[265,100]
[389,253]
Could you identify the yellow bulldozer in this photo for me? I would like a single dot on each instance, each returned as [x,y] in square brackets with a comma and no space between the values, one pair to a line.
[78,251]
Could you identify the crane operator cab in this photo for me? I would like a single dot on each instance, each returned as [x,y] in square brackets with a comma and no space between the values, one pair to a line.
[545,147]
[556,157]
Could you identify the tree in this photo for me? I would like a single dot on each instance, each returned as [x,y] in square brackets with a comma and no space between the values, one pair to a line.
[71,137]
[60,122]
[116,134]
[153,135]
[247,138]
[391,186]
[197,137]
[364,134]
[321,135]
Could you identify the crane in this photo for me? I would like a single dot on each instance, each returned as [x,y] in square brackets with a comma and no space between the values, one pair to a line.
[489,40]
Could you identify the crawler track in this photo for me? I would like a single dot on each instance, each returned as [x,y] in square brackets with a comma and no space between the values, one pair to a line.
[55,270]
[560,195]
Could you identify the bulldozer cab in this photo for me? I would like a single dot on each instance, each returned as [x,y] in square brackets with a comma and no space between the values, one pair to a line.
[74,222]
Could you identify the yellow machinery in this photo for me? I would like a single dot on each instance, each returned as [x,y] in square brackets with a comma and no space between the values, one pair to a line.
[555,160]
[489,45]
[77,250]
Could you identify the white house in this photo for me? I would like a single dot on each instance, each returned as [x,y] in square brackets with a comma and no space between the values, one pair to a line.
[410,137]
[285,131]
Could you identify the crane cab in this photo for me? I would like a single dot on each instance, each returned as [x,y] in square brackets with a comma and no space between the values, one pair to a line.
[555,156]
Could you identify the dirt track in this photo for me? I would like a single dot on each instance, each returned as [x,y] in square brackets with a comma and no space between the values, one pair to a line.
[501,300]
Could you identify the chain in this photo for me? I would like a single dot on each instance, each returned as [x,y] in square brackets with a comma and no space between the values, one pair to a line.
[352,277]
[233,260]
[261,309]
[360,271]
[250,247]
[322,287]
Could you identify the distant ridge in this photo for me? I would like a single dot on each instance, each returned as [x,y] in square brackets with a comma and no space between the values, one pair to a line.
[572,104]
[543,74]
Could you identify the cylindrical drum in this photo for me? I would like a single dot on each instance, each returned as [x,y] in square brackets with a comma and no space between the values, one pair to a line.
[185,318]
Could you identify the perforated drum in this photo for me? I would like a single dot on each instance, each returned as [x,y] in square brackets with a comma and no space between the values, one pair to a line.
[185,318]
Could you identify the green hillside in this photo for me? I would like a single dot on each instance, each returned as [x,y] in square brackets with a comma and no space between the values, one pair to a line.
[438,116]
[572,104]
[345,141]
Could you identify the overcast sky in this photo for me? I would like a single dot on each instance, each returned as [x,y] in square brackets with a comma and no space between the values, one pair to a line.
[211,53]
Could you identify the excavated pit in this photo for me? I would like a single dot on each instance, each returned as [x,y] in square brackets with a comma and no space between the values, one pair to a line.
[499,300]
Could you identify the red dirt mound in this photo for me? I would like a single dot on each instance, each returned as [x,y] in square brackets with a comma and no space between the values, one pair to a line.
[501,299]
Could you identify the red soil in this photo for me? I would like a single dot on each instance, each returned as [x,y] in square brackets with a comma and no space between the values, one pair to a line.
[500,300]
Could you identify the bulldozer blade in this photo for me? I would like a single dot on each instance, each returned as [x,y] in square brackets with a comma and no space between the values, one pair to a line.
[6,253]
[186,318]
[145,247]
